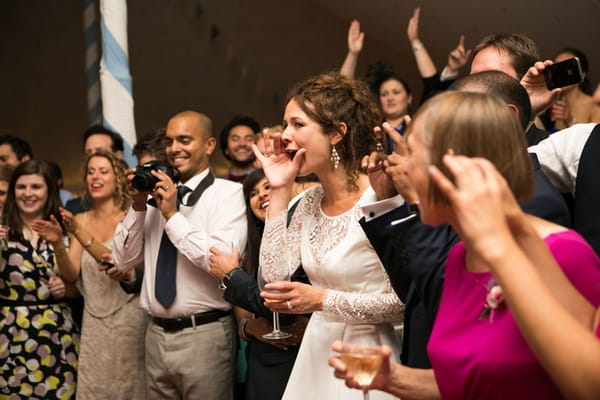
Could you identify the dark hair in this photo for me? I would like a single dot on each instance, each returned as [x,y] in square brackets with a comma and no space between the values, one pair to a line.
[585,86]
[6,172]
[117,140]
[331,99]
[238,120]
[255,225]
[499,84]
[521,49]
[152,143]
[11,210]
[57,173]
[380,72]
[19,146]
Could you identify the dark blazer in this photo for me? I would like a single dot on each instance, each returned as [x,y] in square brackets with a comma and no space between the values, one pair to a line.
[534,135]
[269,367]
[76,206]
[414,255]
[546,201]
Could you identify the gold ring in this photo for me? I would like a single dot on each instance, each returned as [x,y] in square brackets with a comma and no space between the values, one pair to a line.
[167,187]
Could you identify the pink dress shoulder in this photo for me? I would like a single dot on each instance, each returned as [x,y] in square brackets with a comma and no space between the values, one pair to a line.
[478,354]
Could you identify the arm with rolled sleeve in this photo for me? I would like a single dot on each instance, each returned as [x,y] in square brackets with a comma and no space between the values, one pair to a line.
[128,241]
[559,155]
[221,224]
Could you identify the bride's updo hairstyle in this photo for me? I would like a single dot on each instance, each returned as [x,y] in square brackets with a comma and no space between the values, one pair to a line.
[330,99]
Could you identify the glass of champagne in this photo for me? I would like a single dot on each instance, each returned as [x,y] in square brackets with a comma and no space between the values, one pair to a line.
[4,241]
[268,275]
[361,356]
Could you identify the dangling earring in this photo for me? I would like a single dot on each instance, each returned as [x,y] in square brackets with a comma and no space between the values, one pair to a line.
[335,158]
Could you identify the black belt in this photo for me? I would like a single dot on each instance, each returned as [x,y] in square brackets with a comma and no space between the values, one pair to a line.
[177,324]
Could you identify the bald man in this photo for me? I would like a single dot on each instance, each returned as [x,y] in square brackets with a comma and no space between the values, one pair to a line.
[190,348]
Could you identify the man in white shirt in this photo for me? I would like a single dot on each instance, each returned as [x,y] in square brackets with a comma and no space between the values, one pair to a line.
[190,348]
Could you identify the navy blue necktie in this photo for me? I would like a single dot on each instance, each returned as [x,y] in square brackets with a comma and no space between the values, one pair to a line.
[165,287]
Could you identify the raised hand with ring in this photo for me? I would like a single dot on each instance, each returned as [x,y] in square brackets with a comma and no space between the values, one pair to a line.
[289,305]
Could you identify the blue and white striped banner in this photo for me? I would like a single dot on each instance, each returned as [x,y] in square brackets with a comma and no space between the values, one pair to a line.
[117,96]
[91,62]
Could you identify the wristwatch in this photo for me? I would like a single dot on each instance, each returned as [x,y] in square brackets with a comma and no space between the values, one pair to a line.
[413,209]
[227,277]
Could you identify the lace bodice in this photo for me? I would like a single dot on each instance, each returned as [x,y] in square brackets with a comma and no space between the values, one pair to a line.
[336,256]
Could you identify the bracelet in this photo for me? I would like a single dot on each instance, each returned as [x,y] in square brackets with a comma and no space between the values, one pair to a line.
[60,252]
[413,209]
[242,329]
[89,243]
[417,47]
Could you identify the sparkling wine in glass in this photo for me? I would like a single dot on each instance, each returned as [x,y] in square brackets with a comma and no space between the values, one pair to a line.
[4,241]
[268,275]
[361,356]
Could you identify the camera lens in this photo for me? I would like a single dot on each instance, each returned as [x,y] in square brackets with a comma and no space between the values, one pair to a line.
[143,182]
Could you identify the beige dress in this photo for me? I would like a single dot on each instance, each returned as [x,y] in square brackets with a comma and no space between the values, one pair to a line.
[111,357]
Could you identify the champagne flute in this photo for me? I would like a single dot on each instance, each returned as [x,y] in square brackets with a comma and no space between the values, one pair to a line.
[4,241]
[361,356]
[268,275]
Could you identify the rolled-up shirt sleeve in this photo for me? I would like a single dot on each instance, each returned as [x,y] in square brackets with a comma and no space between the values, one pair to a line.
[128,241]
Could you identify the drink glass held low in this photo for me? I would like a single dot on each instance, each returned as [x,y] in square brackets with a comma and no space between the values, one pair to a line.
[268,275]
[4,241]
[361,356]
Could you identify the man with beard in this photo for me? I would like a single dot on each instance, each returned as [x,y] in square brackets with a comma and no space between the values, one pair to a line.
[237,138]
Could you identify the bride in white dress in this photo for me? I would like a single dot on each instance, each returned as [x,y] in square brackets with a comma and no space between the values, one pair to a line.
[328,128]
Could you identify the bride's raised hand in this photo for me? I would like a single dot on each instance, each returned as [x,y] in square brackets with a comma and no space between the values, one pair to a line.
[279,164]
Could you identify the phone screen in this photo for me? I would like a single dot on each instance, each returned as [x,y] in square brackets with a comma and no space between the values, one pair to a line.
[564,73]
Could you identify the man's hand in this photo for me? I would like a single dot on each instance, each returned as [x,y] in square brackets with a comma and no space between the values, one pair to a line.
[533,81]
[458,57]
[165,194]
[138,198]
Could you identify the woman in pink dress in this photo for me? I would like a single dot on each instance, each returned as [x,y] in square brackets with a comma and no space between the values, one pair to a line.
[476,348]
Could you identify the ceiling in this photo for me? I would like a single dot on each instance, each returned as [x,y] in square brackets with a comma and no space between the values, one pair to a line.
[553,24]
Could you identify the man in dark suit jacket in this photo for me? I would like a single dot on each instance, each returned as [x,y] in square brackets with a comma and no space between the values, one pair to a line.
[413,253]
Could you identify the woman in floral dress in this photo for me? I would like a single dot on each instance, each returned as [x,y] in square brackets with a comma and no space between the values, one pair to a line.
[38,339]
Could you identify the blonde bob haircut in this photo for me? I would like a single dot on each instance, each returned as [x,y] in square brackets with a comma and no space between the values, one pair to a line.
[475,125]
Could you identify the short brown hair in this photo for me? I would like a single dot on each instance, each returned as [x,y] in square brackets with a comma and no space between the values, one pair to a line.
[475,125]
[152,144]
[520,47]
[330,99]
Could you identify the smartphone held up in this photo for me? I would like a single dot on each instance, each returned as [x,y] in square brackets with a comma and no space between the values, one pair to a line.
[564,73]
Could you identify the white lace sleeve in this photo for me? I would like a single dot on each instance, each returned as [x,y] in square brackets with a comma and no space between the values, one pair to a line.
[356,307]
[280,245]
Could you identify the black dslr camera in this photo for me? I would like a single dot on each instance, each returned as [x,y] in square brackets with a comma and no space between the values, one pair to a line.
[144,181]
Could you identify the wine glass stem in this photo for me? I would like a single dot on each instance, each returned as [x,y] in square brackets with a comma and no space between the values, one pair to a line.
[275,322]
[365,395]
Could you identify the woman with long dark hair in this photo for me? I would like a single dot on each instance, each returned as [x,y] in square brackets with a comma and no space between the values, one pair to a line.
[269,362]
[38,339]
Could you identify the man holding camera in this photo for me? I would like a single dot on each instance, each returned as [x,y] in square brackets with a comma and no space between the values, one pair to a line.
[190,348]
